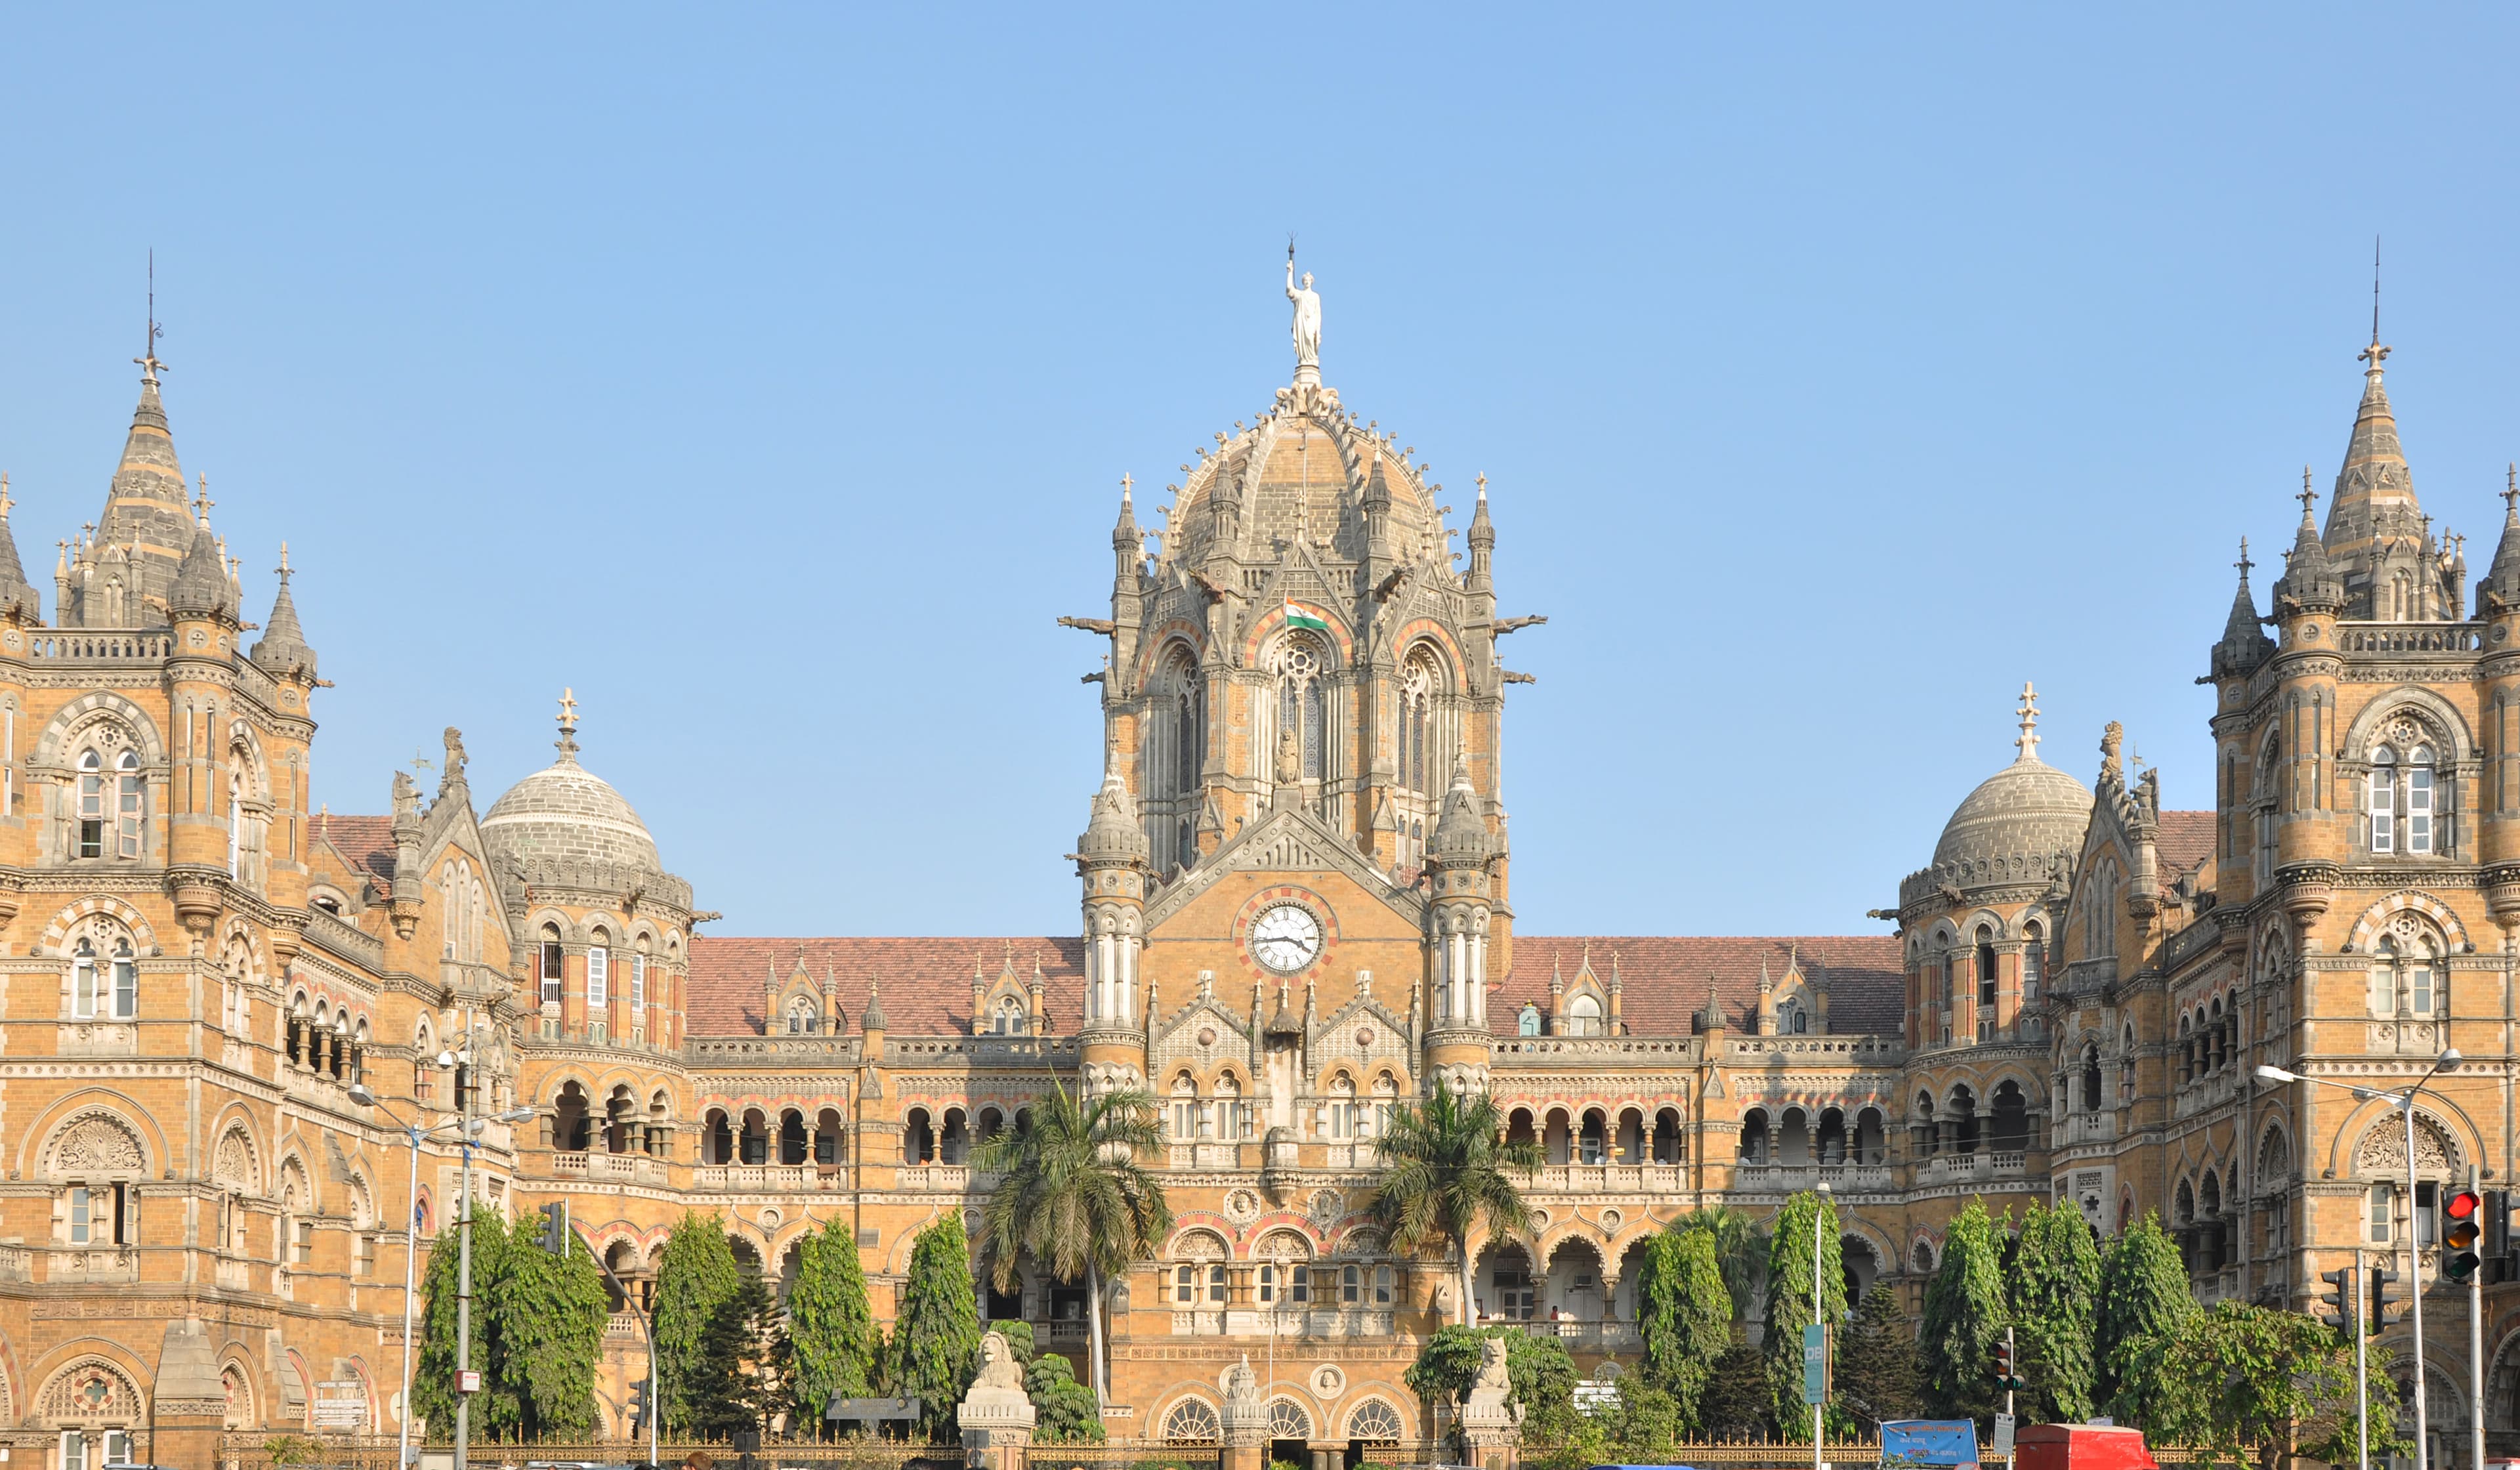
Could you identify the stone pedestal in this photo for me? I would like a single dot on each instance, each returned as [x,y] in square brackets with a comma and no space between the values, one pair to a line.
[996,1415]
[1246,1419]
[1491,1432]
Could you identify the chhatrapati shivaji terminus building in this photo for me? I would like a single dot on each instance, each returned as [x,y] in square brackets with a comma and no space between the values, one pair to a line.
[1295,911]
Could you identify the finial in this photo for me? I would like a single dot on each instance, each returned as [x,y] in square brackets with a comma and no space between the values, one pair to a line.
[2376,353]
[568,741]
[1125,483]
[284,559]
[2307,495]
[1482,479]
[2245,563]
[149,366]
[2510,490]
[2028,713]
[202,501]
[5,501]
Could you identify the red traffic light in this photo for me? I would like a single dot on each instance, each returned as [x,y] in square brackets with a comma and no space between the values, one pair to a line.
[2463,1205]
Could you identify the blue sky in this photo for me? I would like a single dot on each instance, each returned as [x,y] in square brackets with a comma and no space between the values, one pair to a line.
[767,375]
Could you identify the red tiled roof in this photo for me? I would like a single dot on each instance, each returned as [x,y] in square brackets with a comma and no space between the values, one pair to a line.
[1663,979]
[366,843]
[926,983]
[2181,843]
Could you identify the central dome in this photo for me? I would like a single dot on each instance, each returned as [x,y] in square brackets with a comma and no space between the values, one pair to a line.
[1305,470]
[2028,808]
[566,814]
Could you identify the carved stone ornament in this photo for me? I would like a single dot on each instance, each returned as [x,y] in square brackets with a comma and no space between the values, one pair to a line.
[96,1143]
[234,1168]
[2383,1151]
[1243,1207]
[1327,1207]
[90,1392]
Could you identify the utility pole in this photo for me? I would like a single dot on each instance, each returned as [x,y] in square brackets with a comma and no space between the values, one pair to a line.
[2362,1366]
[467,1383]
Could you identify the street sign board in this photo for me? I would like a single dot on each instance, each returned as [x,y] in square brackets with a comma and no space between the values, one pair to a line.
[1815,1364]
[341,1404]
[2003,1434]
[887,1410]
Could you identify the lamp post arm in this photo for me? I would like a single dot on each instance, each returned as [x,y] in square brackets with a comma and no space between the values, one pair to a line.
[646,1334]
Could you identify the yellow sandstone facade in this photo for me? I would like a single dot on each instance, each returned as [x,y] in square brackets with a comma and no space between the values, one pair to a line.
[1295,913]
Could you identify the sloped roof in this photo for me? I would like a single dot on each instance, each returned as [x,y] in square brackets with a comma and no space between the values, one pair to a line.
[1663,978]
[926,983]
[366,843]
[2183,841]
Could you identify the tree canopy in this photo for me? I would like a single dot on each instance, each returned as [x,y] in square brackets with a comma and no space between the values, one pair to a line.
[935,1348]
[537,1333]
[696,1275]
[1684,1315]
[2254,1386]
[2053,1287]
[1876,1361]
[838,1348]
[2143,1297]
[1790,1272]
[739,1382]
[1447,1168]
[1964,1316]
[1540,1374]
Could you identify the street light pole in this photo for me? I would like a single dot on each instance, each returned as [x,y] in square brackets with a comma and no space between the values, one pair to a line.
[2405,1102]
[1819,1219]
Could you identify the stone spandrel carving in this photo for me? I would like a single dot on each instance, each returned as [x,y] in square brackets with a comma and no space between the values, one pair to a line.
[2383,1150]
[90,1392]
[234,1168]
[97,1145]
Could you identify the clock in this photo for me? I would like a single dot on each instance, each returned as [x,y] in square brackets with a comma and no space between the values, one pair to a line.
[1285,939]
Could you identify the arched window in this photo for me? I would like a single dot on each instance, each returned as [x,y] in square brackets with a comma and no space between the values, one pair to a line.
[1301,668]
[2419,799]
[88,997]
[91,805]
[803,1017]
[1342,1107]
[1190,1422]
[2033,961]
[2384,800]
[598,973]
[2091,1078]
[550,965]
[1583,1017]
[1190,726]
[1985,965]
[1797,1020]
[1010,1018]
[1421,764]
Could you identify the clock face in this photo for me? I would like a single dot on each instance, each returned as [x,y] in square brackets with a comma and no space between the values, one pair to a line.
[1286,938]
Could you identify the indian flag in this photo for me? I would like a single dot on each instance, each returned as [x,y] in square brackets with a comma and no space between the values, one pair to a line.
[1296,617]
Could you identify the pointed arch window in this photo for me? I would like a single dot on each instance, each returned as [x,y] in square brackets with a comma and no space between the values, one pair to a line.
[1302,667]
[2033,961]
[550,965]
[1010,1018]
[599,973]
[2384,800]
[1985,965]
[1583,1017]
[803,1017]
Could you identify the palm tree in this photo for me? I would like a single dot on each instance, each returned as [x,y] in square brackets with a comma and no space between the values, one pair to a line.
[1075,1196]
[1447,1168]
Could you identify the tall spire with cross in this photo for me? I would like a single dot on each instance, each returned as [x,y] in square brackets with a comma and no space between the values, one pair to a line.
[2502,585]
[283,646]
[568,741]
[147,508]
[2244,644]
[2028,740]
[2376,527]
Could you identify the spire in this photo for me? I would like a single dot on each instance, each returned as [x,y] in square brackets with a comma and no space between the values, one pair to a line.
[2375,527]
[144,507]
[1482,542]
[200,582]
[2310,579]
[1113,833]
[282,645]
[16,593]
[872,1018]
[2243,646]
[1461,838]
[568,741]
[2028,740]
[2502,581]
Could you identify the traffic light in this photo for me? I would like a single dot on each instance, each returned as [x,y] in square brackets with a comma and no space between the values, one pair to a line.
[2340,1298]
[555,1227]
[2382,1317]
[639,1406]
[2465,1211]
[2002,1365]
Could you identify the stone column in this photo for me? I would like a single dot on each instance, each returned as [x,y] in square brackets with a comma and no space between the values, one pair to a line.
[995,1414]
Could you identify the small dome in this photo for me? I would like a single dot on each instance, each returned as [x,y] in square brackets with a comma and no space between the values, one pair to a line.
[2028,807]
[567,814]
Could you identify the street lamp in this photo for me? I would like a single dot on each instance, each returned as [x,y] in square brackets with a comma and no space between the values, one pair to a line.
[362,1095]
[2405,1102]
[1819,1219]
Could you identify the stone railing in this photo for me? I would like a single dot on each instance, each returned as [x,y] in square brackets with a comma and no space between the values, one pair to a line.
[1599,1335]
[113,1262]
[2409,637]
[776,1179]
[952,1178]
[1670,1051]
[100,647]
[724,1050]
[1876,1050]
[637,1169]
[1788,1179]
[1596,1178]
[17,1264]
[1204,1156]
[2091,1128]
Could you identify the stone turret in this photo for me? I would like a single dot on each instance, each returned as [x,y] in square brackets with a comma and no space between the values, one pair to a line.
[283,646]
[1111,862]
[1457,858]
[17,600]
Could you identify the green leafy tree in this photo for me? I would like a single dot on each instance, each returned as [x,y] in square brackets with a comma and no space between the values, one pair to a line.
[1685,1315]
[2054,1289]
[1447,1168]
[537,1333]
[1735,1404]
[1741,1249]
[2255,1385]
[2143,1297]
[1064,1409]
[1877,1359]
[1540,1375]
[830,1323]
[1791,1269]
[935,1347]
[1964,1316]
[741,1379]
[1075,1197]
[696,1275]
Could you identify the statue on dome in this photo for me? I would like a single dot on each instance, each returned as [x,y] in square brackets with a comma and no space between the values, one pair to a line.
[1308,314]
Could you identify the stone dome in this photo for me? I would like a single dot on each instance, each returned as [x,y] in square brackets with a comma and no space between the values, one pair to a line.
[2028,808]
[566,816]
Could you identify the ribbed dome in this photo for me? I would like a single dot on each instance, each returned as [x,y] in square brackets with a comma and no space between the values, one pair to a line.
[2028,807]
[567,814]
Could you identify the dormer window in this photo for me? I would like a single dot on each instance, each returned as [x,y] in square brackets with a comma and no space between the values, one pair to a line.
[803,1017]
[1796,1022]
[1583,1017]
[1008,1017]
[1529,1024]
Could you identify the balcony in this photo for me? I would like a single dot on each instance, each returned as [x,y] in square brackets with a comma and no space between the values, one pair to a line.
[2089,1128]
[1788,1179]
[633,1168]
[1206,1156]
[1596,1336]
[946,1179]
[1598,1179]
[776,1179]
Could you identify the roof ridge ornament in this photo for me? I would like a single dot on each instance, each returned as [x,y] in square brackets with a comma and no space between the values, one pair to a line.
[568,741]
[2028,713]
